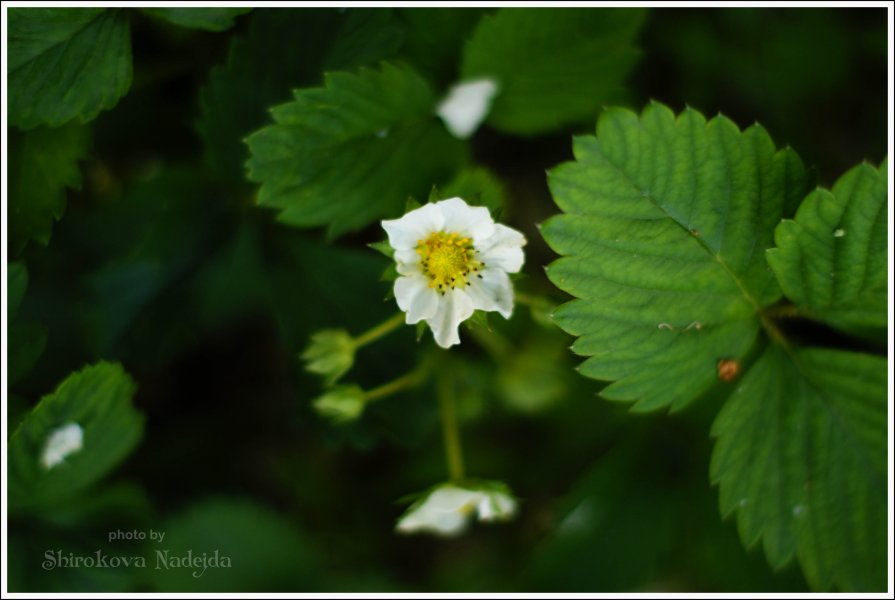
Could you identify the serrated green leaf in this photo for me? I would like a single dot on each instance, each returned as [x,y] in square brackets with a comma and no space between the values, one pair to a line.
[553,67]
[98,400]
[16,284]
[66,63]
[42,164]
[477,186]
[801,457]
[351,152]
[209,19]
[664,223]
[831,259]
[238,94]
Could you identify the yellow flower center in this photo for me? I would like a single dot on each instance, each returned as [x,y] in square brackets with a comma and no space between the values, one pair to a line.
[448,260]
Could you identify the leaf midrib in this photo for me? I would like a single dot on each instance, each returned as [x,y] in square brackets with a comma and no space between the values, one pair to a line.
[724,266]
[55,45]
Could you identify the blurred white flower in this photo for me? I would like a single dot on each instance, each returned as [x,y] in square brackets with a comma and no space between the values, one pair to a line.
[453,260]
[61,443]
[466,106]
[448,510]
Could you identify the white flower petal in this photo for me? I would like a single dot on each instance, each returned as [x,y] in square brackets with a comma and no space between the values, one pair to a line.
[496,506]
[466,106]
[493,292]
[446,511]
[472,221]
[407,262]
[503,249]
[416,298]
[404,233]
[453,308]
[61,443]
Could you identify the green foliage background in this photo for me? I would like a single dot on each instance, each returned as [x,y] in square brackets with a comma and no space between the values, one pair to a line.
[174,242]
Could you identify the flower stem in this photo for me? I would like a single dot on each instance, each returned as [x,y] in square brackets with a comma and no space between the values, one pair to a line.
[396,385]
[380,330]
[450,429]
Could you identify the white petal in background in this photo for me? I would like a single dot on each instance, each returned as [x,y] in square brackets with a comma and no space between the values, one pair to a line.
[62,443]
[448,510]
[467,105]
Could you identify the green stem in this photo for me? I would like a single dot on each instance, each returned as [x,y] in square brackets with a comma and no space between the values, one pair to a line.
[450,429]
[393,387]
[380,330]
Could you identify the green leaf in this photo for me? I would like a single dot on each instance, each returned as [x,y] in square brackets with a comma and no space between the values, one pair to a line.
[477,186]
[831,259]
[553,67]
[238,94]
[209,19]
[98,400]
[801,456]
[16,284]
[665,219]
[26,340]
[26,344]
[435,39]
[351,152]
[263,550]
[42,164]
[66,63]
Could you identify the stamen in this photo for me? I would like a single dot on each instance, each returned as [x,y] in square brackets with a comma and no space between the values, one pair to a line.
[447,259]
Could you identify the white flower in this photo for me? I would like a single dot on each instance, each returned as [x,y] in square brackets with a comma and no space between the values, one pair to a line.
[61,443]
[466,106]
[453,260]
[448,510]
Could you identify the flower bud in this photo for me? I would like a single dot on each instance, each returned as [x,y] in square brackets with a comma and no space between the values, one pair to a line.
[330,354]
[342,404]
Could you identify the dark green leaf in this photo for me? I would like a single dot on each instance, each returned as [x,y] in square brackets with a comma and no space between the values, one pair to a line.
[42,164]
[210,19]
[552,67]
[26,343]
[98,400]
[263,551]
[308,41]
[664,223]
[477,186]
[66,63]
[351,152]
[801,456]
[435,39]
[16,284]
[831,259]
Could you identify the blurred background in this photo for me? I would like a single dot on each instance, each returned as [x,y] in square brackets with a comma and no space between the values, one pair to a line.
[163,262]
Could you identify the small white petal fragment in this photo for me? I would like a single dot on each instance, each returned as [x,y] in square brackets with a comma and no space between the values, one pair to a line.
[467,104]
[449,509]
[839,233]
[453,260]
[62,443]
